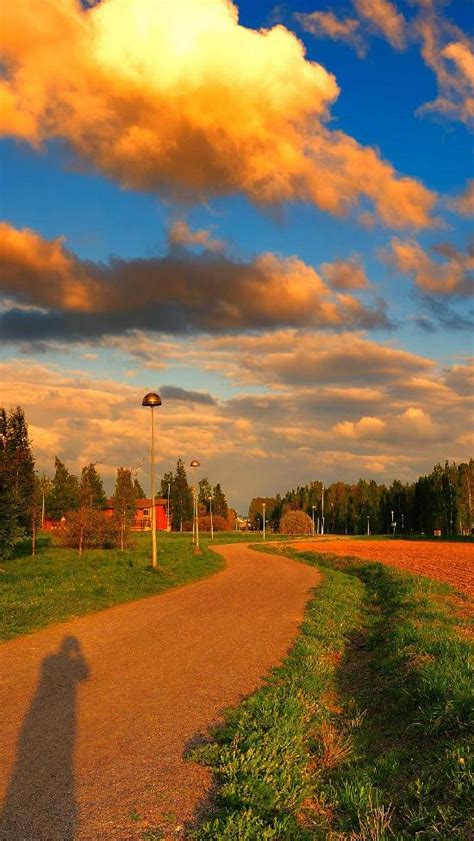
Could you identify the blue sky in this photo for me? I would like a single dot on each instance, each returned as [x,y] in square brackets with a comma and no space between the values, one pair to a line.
[49,190]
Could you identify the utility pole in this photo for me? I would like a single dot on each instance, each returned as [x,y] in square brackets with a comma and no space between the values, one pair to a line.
[264,523]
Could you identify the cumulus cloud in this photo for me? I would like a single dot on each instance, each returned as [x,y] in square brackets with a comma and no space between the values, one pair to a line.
[464,202]
[294,358]
[176,293]
[345,274]
[301,430]
[196,104]
[180,234]
[451,277]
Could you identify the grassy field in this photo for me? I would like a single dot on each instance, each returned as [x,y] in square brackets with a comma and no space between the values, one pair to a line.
[57,584]
[364,732]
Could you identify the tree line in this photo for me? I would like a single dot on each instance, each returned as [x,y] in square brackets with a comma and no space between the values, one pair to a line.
[28,497]
[441,500]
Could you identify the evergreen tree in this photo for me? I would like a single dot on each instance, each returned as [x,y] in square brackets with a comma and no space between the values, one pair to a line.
[124,503]
[92,494]
[181,497]
[8,514]
[138,490]
[219,502]
[65,493]
[167,479]
[20,466]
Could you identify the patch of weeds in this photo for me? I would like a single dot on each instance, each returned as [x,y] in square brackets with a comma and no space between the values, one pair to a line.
[363,734]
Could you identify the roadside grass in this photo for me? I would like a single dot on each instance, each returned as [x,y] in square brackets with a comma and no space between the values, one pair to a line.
[56,584]
[364,731]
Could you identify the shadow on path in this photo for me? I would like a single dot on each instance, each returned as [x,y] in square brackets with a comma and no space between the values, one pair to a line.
[40,802]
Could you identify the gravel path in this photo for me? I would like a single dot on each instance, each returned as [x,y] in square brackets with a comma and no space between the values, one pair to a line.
[96,712]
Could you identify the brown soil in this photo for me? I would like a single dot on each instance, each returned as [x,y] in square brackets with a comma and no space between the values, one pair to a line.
[449,562]
[97,712]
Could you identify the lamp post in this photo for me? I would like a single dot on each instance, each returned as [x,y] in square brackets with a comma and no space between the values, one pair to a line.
[322,510]
[152,399]
[264,523]
[368,524]
[312,518]
[168,523]
[194,464]
[210,512]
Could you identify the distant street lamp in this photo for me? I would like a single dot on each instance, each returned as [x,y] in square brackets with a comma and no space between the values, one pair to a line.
[152,399]
[322,510]
[264,523]
[368,523]
[210,512]
[195,464]
[168,523]
[312,518]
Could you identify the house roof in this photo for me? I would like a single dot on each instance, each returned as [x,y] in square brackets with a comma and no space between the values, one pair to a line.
[141,503]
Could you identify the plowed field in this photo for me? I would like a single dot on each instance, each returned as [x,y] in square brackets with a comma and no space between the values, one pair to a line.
[450,562]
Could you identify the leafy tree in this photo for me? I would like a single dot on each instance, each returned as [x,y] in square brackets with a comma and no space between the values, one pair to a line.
[219,502]
[89,529]
[124,503]
[255,514]
[296,522]
[92,494]
[65,494]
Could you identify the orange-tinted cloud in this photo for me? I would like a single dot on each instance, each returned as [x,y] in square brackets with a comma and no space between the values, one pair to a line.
[345,274]
[384,17]
[180,99]
[180,234]
[177,293]
[453,276]
[328,25]
[464,202]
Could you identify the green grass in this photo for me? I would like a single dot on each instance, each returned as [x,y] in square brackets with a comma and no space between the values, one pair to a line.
[57,584]
[363,732]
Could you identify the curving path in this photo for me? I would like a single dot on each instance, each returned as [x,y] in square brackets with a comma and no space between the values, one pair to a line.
[96,712]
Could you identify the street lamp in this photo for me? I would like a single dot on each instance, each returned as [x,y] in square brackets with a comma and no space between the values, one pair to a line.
[194,464]
[168,523]
[264,523]
[312,517]
[210,512]
[368,524]
[152,399]
[322,510]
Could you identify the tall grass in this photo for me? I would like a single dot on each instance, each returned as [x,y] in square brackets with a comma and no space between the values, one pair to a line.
[364,733]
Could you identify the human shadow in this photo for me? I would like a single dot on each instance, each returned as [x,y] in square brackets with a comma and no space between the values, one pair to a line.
[40,803]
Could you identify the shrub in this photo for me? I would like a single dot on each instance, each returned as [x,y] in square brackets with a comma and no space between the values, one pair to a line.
[219,523]
[296,522]
[89,529]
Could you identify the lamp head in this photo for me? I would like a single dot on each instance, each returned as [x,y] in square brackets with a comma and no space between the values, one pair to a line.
[151,399]
[195,463]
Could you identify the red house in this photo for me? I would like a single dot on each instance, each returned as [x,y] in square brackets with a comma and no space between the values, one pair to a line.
[143,513]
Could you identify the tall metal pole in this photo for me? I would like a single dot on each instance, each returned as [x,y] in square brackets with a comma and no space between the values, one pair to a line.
[197,521]
[194,513]
[264,523]
[312,518]
[210,512]
[153,505]
[322,510]
[368,524]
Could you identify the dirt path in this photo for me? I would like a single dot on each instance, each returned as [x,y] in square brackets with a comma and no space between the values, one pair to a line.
[96,712]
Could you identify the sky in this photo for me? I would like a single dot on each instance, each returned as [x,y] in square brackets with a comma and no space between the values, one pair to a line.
[262,211]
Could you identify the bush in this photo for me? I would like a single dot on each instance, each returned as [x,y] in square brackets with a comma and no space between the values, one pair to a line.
[92,529]
[219,523]
[296,522]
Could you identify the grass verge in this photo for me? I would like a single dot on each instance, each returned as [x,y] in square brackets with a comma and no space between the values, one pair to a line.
[363,732]
[56,584]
